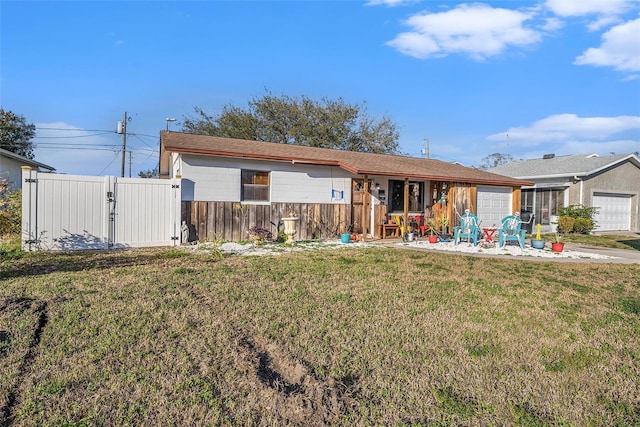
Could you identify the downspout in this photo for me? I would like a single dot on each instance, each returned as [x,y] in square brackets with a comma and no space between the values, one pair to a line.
[577,178]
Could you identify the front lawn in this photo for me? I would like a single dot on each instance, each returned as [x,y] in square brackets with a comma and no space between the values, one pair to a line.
[350,336]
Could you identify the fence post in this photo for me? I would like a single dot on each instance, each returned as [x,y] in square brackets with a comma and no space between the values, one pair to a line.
[108,227]
[29,208]
[175,213]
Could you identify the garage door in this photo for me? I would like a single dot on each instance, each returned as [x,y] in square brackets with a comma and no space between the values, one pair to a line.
[494,203]
[614,211]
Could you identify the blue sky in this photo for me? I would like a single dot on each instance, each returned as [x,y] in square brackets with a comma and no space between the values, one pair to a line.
[517,77]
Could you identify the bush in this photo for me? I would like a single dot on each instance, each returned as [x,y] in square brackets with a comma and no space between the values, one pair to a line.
[10,212]
[583,225]
[582,217]
[565,224]
[259,234]
[578,211]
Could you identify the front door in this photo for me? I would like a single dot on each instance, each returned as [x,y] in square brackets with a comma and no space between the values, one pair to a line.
[358,205]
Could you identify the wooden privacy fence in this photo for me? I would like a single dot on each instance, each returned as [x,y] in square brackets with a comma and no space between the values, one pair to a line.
[232,220]
[84,212]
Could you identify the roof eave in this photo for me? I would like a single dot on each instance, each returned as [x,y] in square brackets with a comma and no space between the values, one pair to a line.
[510,183]
[253,156]
[29,162]
[344,166]
[631,157]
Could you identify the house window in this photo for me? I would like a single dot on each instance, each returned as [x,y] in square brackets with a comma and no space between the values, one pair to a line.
[416,196]
[255,186]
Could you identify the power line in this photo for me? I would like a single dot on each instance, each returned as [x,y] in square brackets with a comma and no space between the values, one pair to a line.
[106,167]
[73,144]
[71,136]
[105,131]
[78,130]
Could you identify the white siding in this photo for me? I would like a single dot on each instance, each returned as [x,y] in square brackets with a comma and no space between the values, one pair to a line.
[218,179]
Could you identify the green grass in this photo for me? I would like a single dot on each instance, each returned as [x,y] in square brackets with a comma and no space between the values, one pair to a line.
[602,240]
[357,336]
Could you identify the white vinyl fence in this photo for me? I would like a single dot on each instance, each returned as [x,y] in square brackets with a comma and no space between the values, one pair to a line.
[69,212]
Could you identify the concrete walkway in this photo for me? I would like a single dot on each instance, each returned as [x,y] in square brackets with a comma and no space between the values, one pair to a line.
[622,256]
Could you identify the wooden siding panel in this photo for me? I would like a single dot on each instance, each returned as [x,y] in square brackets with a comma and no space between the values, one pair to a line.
[225,221]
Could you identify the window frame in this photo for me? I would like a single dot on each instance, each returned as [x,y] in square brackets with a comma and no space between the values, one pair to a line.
[249,190]
[393,198]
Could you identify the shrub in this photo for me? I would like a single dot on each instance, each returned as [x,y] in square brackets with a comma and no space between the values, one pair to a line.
[583,225]
[578,211]
[259,234]
[10,212]
[582,218]
[565,224]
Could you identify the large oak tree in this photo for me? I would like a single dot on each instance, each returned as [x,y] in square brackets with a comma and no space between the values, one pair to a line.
[302,121]
[16,134]
[494,160]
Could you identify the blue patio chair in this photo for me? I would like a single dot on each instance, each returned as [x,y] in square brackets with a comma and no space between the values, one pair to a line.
[468,229]
[511,229]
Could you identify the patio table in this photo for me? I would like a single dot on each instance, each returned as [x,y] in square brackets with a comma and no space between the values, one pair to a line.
[488,233]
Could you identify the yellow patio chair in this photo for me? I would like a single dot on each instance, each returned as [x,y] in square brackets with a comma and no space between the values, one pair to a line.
[401,227]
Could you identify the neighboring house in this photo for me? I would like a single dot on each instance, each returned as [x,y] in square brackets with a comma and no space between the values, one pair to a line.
[609,183]
[11,168]
[229,185]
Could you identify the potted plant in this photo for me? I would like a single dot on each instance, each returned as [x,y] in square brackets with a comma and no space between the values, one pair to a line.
[557,246]
[444,232]
[410,234]
[345,236]
[290,225]
[433,231]
[538,242]
[259,235]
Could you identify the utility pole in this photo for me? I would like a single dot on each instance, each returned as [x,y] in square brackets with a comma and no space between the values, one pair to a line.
[425,150]
[129,163]
[124,143]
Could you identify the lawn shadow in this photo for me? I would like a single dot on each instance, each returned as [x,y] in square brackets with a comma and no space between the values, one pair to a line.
[73,261]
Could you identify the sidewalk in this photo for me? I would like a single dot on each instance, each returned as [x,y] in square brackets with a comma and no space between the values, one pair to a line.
[622,256]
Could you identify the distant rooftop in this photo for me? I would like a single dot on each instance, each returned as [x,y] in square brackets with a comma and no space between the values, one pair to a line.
[556,166]
[25,161]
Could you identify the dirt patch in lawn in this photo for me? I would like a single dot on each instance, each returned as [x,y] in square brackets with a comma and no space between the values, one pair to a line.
[22,321]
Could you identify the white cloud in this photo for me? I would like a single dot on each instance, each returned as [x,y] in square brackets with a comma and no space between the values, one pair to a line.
[477,30]
[569,128]
[568,8]
[620,48]
[606,12]
[389,2]
[552,24]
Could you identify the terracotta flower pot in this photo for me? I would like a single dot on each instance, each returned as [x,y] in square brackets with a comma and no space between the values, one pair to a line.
[433,238]
[557,246]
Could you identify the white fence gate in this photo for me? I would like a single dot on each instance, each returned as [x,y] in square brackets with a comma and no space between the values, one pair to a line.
[70,212]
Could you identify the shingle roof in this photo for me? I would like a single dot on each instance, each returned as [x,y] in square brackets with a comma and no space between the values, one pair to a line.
[27,162]
[354,162]
[559,166]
